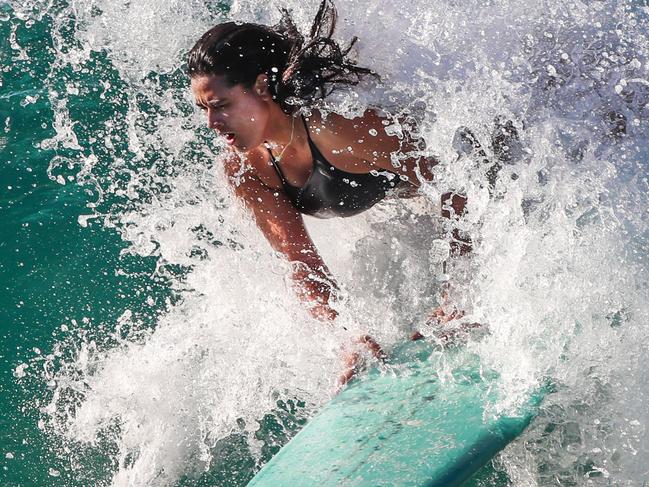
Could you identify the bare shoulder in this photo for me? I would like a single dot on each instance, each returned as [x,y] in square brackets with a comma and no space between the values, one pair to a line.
[265,201]
[237,164]
[369,124]
[240,168]
[358,144]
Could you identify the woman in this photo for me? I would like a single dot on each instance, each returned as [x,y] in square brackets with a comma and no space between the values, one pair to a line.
[255,84]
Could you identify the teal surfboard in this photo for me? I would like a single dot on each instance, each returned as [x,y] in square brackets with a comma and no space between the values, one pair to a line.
[425,418]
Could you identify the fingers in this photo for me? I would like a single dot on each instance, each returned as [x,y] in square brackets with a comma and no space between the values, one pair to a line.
[372,346]
[415,335]
[442,314]
[352,359]
[346,376]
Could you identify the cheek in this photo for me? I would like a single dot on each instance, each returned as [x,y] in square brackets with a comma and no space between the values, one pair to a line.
[258,114]
[256,117]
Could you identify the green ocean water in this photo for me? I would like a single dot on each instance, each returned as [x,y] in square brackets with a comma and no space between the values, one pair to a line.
[67,282]
[56,275]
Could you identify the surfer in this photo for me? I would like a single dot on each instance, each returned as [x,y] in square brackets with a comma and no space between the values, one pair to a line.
[260,87]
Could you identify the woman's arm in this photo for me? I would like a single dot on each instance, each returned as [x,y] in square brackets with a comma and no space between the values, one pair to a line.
[283,227]
[368,139]
[378,149]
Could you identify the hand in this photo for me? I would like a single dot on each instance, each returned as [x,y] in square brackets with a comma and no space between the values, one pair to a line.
[315,289]
[352,359]
[460,334]
[323,312]
[444,313]
[447,312]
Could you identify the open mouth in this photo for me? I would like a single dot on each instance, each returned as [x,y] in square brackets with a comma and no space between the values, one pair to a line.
[229,137]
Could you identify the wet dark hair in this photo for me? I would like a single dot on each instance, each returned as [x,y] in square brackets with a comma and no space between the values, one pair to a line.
[300,71]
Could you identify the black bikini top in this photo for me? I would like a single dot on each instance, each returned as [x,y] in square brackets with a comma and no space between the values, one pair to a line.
[331,192]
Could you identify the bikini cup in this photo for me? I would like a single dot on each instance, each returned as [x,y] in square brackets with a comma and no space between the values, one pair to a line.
[331,192]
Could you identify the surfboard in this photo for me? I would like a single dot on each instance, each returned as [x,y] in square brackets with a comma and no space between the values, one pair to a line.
[427,417]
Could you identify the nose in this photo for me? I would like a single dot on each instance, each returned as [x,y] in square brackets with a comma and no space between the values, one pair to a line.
[214,120]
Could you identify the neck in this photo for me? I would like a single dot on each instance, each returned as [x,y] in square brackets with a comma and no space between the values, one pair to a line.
[283,129]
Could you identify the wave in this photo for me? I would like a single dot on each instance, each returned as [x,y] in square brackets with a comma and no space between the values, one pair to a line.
[558,272]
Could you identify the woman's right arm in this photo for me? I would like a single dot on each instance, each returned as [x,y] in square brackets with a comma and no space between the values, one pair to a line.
[283,227]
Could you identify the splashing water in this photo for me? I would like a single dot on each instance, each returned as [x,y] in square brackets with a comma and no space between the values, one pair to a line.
[558,272]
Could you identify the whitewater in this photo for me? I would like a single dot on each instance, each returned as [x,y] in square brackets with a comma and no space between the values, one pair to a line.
[234,364]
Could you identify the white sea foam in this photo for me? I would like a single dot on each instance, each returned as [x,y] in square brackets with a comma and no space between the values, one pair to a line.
[560,262]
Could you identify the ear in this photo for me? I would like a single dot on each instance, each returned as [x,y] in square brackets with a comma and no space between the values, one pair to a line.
[260,88]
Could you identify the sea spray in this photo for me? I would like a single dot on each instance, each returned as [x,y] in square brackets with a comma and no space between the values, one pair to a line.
[560,241]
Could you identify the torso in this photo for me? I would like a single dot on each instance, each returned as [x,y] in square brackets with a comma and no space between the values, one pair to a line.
[336,192]
[297,162]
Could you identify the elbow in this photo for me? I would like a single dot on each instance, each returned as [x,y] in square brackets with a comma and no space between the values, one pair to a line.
[282,240]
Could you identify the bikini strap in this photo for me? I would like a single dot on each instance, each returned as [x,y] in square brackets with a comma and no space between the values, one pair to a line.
[308,135]
[316,154]
[278,170]
[306,128]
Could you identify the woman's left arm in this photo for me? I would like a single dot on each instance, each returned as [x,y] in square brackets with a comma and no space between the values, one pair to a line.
[368,139]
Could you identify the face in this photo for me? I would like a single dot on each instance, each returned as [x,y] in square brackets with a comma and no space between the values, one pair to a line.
[238,114]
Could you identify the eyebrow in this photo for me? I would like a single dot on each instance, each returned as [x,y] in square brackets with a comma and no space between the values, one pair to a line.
[215,101]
